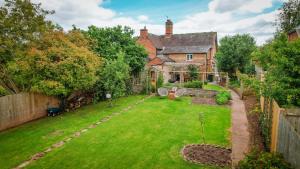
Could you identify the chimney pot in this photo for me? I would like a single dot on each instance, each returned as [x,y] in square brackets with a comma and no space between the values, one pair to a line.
[144,33]
[169,28]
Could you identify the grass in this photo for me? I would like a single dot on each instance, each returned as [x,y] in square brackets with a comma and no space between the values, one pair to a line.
[150,135]
[213,87]
[18,144]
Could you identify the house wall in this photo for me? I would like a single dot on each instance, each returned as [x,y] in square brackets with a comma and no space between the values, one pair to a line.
[181,58]
[293,36]
[150,48]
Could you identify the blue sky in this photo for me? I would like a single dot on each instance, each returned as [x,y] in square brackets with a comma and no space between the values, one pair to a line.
[158,10]
[226,17]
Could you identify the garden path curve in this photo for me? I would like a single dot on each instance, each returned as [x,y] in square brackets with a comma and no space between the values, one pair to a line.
[239,129]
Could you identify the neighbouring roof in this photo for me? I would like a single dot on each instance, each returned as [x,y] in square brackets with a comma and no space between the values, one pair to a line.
[181,42]
[294,30]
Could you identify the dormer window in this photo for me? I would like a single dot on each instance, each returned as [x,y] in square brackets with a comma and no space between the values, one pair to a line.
[189,57]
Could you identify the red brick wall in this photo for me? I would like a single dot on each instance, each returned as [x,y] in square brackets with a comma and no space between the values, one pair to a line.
[293,36]
[148,46]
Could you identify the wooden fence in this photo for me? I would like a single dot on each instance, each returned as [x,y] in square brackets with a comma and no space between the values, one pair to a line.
[23,107]
[285,131]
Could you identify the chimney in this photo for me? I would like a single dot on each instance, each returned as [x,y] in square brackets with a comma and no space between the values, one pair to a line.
[169,28]
[144,33]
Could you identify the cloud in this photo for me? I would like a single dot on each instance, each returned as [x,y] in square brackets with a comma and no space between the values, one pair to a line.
[241,6]
[222,16]
[143,18]
[260,26]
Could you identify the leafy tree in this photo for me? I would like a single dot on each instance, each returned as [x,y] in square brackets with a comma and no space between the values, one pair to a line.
[289,16]
[193,72]
[21,22]
[108,42]
[55,65]
[281,59]
[235,53]
[114,75]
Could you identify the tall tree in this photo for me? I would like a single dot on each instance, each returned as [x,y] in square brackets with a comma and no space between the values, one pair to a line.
[56,65]
[21,23]
[108,42]
[289,16]
[114,75]
[235,53]
[281,59]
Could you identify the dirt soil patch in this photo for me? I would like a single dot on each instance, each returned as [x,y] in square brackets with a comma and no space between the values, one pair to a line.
[200,100]
[207,154]
[252,109]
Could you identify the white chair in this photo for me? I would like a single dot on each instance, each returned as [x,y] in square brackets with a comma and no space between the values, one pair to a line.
[163,91]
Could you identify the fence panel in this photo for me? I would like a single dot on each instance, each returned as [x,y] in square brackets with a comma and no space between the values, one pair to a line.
[23,107]
[289,139]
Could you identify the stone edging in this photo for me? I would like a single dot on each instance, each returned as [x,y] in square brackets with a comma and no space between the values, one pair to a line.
[41,154]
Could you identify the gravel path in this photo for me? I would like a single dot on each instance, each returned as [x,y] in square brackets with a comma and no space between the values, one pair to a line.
[240,134]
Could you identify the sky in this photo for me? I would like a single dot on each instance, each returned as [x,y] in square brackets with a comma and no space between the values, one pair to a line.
[227,17]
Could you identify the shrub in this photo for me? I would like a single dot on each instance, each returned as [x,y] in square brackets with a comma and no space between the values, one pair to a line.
[223,97]
[263,160]
[3,92]
[193,72]
[234,83]
[193,84]
[160,80]
[205,82]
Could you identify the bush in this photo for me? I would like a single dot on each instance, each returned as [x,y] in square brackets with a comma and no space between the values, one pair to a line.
[234,83]
[263,160]
[3,92]
[205,82]
[160,80]
[223,97]
[193,84]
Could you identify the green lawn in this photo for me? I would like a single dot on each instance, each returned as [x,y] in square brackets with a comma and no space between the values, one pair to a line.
[18,144]
[213,87]
[149,135]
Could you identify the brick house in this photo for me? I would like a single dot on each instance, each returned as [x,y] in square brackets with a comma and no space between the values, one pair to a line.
[171,53]
[294,34]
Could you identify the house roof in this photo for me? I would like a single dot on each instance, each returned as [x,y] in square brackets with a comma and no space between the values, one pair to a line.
[185,49]
[181,42]
[165,58]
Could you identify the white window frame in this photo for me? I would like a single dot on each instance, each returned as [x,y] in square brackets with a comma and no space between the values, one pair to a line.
[189,57]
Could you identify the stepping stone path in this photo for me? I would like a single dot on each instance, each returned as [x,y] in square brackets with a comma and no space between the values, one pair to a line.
[76,134]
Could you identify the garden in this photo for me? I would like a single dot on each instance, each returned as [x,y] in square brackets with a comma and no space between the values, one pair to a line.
[150,134]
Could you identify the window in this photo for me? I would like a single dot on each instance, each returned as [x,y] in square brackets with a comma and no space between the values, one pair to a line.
[189,57]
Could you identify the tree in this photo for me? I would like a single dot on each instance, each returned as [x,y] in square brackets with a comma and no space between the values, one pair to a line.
[114,75]
[108,42]
[235,53]
[289,16]
[281,59]
[55,65]
[21,23]
[193,72]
